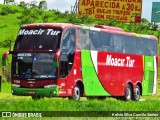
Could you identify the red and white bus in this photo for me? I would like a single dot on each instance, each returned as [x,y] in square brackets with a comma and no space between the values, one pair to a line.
[67,60]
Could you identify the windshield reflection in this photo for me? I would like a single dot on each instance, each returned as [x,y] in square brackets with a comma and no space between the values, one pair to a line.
[36,65]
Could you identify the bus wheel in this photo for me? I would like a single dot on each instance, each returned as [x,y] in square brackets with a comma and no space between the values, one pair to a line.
[137,93]
[128,93]
[76,93]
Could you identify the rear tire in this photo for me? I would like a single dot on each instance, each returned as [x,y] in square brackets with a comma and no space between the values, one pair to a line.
[76,94]
[128,93]
[137,93]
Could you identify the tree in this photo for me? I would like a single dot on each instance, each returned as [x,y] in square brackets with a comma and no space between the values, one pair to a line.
[143,20]
[43,5]
[9,1]
[33,4]
[45,17]
[23,4]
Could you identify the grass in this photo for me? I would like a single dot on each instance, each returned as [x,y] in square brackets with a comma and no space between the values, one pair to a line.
[9,26]
[58,104]
[8,102]
[59,108]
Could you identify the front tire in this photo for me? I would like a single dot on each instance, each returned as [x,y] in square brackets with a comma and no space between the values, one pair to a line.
[137,93]
[76,94]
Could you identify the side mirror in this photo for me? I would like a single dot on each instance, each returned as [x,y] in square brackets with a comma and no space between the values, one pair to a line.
[55,64]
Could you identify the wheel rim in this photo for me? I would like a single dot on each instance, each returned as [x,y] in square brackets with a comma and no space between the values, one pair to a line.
[128,93]
[76,93]
[137,93]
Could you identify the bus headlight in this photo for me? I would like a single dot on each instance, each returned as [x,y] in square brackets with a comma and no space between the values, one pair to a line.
[15,85]
[50,86]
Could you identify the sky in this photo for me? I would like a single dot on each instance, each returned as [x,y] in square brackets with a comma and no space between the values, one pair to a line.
[65,5]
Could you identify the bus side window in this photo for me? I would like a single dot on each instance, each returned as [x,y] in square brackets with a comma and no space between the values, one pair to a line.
[141,46]
[151,47]
[83,39]
[94,37]
[68,42]
[67,52]
[119,44]
[105,42]
[130,45]
[154,46]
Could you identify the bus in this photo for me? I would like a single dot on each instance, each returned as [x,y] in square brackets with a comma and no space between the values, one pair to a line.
[67,60]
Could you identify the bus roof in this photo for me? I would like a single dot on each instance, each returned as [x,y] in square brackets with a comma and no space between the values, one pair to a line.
[116,30]
[60,25]
[110,29]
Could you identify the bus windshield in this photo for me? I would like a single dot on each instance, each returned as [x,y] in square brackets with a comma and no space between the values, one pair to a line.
[33,65]
[38,39]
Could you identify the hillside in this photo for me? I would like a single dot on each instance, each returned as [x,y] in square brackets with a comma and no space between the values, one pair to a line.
[12,17]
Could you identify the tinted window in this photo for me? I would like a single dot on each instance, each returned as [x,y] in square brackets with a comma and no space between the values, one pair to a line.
[68,41]
[130,45]
[102,41]
[33,65]
[118,43]
[151,47]
[142,46]
[106,43]
[38,39]
[83,39]
[94,40]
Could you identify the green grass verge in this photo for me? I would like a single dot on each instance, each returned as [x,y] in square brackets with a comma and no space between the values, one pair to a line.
[8,102]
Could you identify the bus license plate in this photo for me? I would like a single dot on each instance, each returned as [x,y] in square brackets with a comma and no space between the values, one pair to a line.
[31,92]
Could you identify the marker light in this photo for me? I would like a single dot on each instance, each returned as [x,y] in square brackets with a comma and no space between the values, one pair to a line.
[50,86]
[16,85]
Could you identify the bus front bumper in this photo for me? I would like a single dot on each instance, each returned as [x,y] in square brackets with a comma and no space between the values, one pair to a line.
[45,92]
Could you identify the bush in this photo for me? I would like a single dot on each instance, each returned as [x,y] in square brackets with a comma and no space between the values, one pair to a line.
[7,42]
[8,10]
